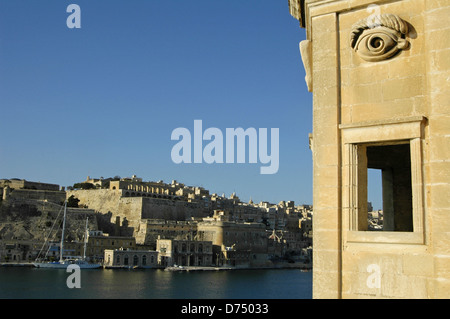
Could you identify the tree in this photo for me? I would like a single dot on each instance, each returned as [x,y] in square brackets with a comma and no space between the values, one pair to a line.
[84,185]
[72,201]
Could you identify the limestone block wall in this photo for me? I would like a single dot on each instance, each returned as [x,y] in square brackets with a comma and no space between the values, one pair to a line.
[326,158]
[132,210]
[57,197]
[362,99]
[154,208]
[101,200]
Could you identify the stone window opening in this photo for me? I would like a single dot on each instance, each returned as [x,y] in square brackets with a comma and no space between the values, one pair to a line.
[394,164]
[394,148]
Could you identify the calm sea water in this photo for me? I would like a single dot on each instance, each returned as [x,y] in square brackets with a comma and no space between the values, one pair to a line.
[32,283]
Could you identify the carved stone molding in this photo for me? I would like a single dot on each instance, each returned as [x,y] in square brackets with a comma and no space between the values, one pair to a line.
[379,37]
[305,51]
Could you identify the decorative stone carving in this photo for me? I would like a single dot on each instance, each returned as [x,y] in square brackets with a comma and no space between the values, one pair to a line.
[305,51]
[379,37]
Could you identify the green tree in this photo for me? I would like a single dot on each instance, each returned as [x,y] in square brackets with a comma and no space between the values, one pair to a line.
[84,186]
[72,201]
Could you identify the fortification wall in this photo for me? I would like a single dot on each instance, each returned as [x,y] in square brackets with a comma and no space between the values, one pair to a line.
[154,208]
[25,194]
[131,210]
[100,200]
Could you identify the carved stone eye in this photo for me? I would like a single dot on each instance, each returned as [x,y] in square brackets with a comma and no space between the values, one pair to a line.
[379,37]
[379,44]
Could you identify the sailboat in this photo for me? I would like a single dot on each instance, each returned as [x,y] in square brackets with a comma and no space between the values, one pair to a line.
[63,263]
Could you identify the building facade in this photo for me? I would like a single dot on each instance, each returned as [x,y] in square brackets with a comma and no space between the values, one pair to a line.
[15,183]
[245,242]
[96,245]
[378,72]
[184,252]
[128,258]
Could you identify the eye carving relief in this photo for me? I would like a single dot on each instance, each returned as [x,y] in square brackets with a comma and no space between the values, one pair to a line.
[379,37]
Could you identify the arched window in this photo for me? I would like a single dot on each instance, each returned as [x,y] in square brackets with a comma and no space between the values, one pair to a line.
[144,260]
[118,259]
[200,248]
[125,260]
[135,260]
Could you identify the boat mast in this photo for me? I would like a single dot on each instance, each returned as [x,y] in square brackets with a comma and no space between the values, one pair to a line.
[85,238]
[62,235]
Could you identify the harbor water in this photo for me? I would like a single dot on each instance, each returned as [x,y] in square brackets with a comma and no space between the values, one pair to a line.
[33,283]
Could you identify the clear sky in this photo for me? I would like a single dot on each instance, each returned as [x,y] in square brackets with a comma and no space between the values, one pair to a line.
[103,100]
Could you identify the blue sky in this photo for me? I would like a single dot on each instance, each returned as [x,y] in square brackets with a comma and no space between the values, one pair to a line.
[103,100]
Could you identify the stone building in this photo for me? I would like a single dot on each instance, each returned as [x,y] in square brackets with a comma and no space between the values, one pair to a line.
[11,252]
[128,258]
[21,189]
[135,186]
[16,183]
[379,75]
[184,252]
[238,237]
[96,245]
[152,229]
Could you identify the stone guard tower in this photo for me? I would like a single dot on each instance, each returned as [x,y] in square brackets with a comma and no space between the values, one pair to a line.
[380,76]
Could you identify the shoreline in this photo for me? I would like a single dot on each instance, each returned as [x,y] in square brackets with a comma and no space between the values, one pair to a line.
[303,267]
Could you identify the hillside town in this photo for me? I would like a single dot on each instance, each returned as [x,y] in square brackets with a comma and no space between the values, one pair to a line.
[131,223]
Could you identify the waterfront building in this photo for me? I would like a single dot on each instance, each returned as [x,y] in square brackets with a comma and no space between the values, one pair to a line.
[97,245]
[152,229]
[130,258]
[11,252]
[239,237]
[231,257]
[378,72]
[184,252]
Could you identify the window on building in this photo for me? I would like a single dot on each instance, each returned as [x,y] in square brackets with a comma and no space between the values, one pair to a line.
[394,163]
[391,152]
[396,184]
[144,260]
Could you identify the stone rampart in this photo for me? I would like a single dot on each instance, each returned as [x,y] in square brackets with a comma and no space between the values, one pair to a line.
[57,197]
